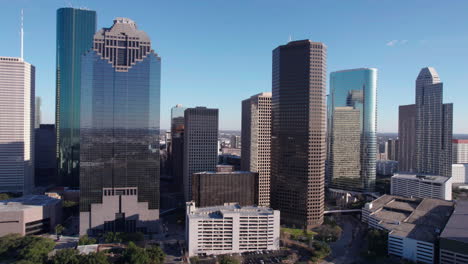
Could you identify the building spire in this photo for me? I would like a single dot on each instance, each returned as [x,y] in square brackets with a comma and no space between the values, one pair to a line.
[22,35]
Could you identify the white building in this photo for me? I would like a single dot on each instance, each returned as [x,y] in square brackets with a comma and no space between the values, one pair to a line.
[414,224]
[460,173]
[231,229]
[17,96]
[460,150]
[422,186]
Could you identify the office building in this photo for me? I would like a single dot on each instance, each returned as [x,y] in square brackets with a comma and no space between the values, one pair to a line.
[256,142]
[352,138]
[392,149]
[231,228]
[37,112]
[45,162]
[386,167]
[460,151]
[413,224]
[235,142]
[30,215]
[200,144]
[213,188]
[75,31]
[454,239]
[298,132]
[17,86]
[422,186]
[407,138]
[176,151]
[460,173]
[119,132]
[433,126]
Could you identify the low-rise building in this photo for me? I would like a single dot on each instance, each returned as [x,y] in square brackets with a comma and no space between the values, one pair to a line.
[231,229]
[454,239]
[30,215]
[422,186]
[413,224]
[460,173]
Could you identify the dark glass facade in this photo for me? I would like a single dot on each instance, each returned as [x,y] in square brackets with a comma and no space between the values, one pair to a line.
[75,31]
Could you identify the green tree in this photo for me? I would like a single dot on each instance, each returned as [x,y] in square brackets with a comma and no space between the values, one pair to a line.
[156,255]
[111,237]
[377,242]
[195,260]
[59,230]
[8,245]
[133,237]
[85,240]
[228,260]
[35,249]
[321,250]
[94,258]
[135,255]
[66,256]
[4,196]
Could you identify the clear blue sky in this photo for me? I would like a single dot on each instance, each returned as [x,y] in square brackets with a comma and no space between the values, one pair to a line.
[218,52]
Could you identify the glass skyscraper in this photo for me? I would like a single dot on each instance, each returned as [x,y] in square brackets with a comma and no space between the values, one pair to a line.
[119,132]
[352,125]
[75,31]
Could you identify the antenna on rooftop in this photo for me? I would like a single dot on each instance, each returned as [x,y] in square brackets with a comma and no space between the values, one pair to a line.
[290,38]
[22,35]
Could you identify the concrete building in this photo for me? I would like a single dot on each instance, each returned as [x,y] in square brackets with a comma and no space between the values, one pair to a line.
[434,125]
[422,186]
[460,173]
[119,132]
[37,112]
[298,148]
[17,87]
[45,162]
[454,239]
[213,188]
[407,138]
[414,224]
[231,229]
[460,151]
[30,215]
[387,167]
[256,142]
[392,149]
[235,141]
[352,130]
[200,144]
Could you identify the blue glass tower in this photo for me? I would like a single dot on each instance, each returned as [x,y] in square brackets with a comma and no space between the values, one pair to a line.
[119,132]
[75,31]
[352,125]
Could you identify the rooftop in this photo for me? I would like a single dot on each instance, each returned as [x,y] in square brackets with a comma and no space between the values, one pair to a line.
[457,226]
[227,208]
[460,141]
[422,177]
[419,219]
[18,204]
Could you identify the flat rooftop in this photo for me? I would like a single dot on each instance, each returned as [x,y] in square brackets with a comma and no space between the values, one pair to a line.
[457,226]
[419,219]
[17,204]
[231,208]
[422,177]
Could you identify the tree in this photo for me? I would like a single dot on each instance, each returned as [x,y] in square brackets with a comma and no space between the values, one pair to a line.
[8,245]
[111,237]
[133,237]
[321,250]
[59,230]
[156,255]
[377,242]
[135,255]
[4,196]
[66,256]
[69,204]
[85,240]
[94,258]
[228,260]
[328,233]
[35,249]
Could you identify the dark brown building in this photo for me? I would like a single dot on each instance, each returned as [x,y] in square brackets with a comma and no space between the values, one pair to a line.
[225,186]
[298,149]
[407,138]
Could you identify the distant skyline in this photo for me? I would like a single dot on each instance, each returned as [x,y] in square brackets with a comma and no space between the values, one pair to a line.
[218,53]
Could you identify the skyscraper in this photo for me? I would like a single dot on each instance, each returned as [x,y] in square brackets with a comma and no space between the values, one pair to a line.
[37,112]
[176,151]
[119,132]
[200,144]
[298,132]
[256,142]
[460,151]
[45,162]
[407,138]
[393,145]
[75,31]
[434,124]
[353,92]
[17,96]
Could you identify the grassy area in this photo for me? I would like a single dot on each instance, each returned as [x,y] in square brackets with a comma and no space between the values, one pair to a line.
[295,232]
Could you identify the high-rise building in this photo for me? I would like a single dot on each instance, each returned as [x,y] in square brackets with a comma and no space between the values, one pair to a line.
[256,141]
[45,161]
[119,132]
[176,151]
[17,96]
[434,124]
[200,144]
[75,31]
[392,149]
[298,149]
[407,138]
[352,138]
[235,141]
[37,112]
[460,151]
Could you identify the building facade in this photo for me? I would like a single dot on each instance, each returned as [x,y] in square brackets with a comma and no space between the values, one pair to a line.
[17,86]
[407,138]
[37,112]
[200,144]
[176,151]
[256,142]
[231,229]
[392,151]
[235,141]
[75,31]
[119,132]
[434,124]
[352,138]
[454,239]
[214,188]
[460,173]
[298,148]
[460,151]
[45,162]
[422,186]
